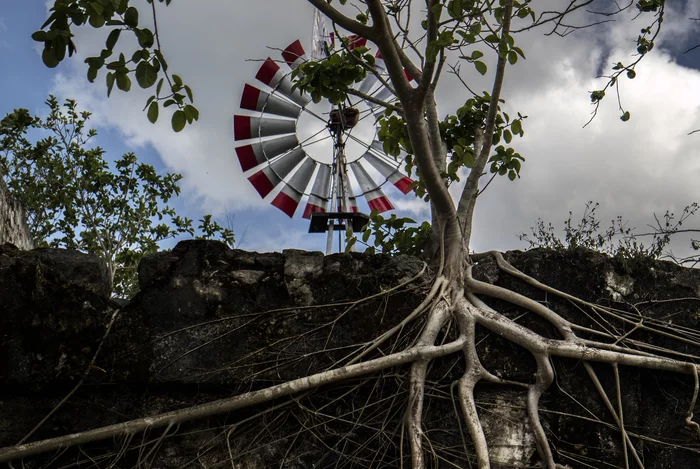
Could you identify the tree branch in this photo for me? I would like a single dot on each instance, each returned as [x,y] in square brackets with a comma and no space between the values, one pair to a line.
[345,22]
[390,51]
[227,405]
[467,202]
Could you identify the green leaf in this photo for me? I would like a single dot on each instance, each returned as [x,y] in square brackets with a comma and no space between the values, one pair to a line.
[519,51]
[110,82]
[153,112]
[96,21]
[431,51]
[39,36]
[507,136]
[179,120]
[145,38]
[188,90]
[454,8]
[91,74]
[49,57]
[503,49]
[436,10]
[131,17]
[625,117]
[146,75]
[192,113]
[468,159]
[160,85]
[510,40]
[123,82]
[512,57]
[516,127]
[631,74]
[512,175]
[112,39]
[477,54]
[480,67]
[492,38]
[97,7]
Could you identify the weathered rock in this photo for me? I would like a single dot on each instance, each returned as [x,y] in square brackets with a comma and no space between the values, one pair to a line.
[54,304]
[211,322]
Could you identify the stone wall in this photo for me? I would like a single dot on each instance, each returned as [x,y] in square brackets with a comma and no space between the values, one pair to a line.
[13,221]
[211,322]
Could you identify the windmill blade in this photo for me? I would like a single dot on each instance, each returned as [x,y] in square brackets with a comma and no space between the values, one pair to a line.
[385,94]
[374,195]
[246,127]
[391,173]
[257,153]
[255,99]
[320,192]
[379,148]
[352,201]
[371,79]
[271,176]
[355,41]
[289,197]
[294,54]
[273,76]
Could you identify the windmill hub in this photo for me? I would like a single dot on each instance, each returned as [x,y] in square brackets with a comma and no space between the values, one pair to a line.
[343,119]
[315,132]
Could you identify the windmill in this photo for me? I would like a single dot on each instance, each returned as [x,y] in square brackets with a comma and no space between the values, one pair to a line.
[291,148]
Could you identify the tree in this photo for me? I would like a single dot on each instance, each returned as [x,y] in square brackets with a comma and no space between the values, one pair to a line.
[75,200]
[455,30]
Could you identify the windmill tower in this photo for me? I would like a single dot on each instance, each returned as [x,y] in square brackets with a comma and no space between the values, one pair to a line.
[292,149]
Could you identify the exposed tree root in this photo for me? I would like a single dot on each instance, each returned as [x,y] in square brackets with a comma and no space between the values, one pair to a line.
[448,302]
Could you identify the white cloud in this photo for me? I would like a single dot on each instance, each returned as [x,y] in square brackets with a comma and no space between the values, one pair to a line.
[634,169]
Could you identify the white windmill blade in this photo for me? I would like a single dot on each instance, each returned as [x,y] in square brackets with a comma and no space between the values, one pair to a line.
[289,197]
[257,153]
[255,99]
[371,191]
[320,192]
[371,79]
[352,200]
[294,54]
[273,76]
[378,147]
[246,127]
[391,173]
[272,174]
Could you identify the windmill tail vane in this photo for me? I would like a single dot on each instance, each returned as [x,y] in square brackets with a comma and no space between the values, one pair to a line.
[276,149]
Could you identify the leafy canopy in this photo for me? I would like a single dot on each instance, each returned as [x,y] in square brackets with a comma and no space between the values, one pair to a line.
[145,64]
[75,199]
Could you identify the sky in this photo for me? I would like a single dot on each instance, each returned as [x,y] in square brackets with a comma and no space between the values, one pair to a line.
[634,169]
